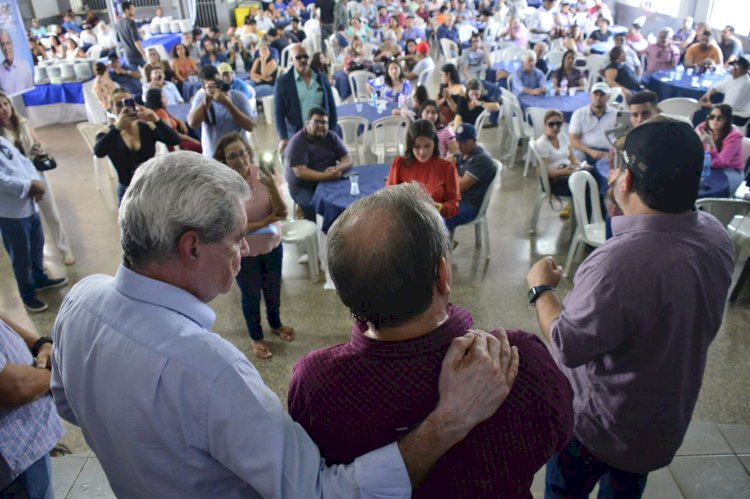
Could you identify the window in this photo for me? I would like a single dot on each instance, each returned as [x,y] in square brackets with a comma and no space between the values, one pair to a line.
[730,12]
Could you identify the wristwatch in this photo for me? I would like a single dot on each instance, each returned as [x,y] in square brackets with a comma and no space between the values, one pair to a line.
[536,292]
[38,344]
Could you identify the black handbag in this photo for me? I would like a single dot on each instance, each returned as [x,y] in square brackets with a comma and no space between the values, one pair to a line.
[44,162]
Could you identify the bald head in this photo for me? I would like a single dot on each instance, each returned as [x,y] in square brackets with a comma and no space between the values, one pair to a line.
[386,276]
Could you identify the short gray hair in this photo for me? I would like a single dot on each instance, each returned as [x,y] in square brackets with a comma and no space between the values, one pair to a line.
[388,279]
[175,192]
[529,55]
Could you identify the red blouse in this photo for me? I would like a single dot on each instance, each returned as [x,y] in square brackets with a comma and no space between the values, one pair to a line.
[438,176]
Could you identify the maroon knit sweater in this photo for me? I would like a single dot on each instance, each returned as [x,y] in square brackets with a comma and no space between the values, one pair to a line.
[362,395]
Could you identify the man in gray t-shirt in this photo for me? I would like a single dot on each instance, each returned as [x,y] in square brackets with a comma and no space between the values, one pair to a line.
[128,38]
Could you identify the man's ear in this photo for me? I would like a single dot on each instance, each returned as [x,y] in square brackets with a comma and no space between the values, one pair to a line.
[188,248]
[443,281]
[627,181]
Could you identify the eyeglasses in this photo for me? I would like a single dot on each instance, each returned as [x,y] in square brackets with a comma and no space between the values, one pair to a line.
[553,124]
[301,57]
[717,117]
[237,155]
[319,122]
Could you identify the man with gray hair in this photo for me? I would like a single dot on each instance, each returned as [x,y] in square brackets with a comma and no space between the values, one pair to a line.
[662,54]
[355,397]
[15,73]
[173,410]
[528,79]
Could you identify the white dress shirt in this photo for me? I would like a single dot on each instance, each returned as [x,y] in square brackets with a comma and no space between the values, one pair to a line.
[16,174]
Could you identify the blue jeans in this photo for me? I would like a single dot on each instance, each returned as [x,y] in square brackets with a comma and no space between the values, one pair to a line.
[466,213]
[303,197]
[262,90]
[34,483]
[120,193]
[574,471]
[23,239]
[258,274]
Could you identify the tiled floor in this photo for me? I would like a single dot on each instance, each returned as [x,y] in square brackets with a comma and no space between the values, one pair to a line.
[713,462]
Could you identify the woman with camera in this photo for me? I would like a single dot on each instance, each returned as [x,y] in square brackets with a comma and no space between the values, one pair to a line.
[132,139]
[19,131]
[260,270]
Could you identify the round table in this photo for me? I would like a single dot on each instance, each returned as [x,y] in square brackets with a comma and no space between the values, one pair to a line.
[564,103]
[332,198]
[602,47]
[667,87]
[368,112]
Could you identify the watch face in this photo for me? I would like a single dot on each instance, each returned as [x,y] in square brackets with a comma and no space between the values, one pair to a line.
[532,293]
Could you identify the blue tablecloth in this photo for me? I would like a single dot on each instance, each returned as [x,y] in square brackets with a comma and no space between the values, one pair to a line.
[682,87]
[341,82]
[332,198]
[368,112]
[168,40]
[66,93]
[564,103]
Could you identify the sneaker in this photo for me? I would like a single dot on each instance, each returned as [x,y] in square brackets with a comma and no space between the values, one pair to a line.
[35,305]
[53,283]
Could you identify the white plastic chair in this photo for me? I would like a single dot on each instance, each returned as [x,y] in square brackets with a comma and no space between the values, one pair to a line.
[513,53]
[387,136]
[535,120]
[520,131]
[95,112]
[285,58]
[449,49]
[89,131]
[481,227]
[358,84]
[303,234]
[465,31]
[425,76]
[616,93]
[680,106]
[351,136]
[268,104]
[588,232]
[555,58]
[482,119]
[733,214]
[743,129]
[545,192]
[94,52]
[745,150]
[594,65]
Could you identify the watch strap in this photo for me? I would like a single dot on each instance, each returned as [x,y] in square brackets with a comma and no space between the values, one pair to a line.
[38,344]
[537,291]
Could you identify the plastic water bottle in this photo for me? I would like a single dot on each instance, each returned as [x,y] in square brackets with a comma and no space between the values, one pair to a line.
[564,86]
[550,89]
[706,164]
[374,98]
[354,185]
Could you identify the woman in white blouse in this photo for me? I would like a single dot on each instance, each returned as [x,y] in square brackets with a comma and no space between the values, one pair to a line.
[554,149]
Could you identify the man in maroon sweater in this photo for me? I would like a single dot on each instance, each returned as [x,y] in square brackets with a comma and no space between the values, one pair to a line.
[358,396]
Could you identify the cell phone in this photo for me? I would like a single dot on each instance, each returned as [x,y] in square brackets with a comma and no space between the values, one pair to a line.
[266,163]
[130,102]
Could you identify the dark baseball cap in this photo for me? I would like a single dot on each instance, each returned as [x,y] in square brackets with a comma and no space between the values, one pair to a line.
[663,147]
[465,131]
[742,62]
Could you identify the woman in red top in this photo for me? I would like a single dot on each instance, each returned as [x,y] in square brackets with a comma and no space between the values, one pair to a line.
[421,163]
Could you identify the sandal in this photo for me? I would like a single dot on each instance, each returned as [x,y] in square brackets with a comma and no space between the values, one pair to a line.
[286,333]
[261,350]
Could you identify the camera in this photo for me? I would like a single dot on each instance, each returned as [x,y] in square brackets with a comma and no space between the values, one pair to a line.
[266,163]
[222,85]
[129,102]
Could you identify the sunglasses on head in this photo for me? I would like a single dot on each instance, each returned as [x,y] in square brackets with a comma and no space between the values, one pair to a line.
[553,124]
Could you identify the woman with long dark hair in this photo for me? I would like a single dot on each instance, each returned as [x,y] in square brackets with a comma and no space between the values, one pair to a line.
[395,83]
[446,138]
[421,162]
[724,142]
[260,270]
[568,72]
[448,92]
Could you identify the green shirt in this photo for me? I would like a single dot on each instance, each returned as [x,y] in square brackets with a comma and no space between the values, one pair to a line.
[309,96]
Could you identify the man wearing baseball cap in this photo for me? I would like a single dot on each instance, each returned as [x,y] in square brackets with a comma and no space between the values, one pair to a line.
[424,61]
[477,171]
[227,74]
[736,89]
[633,333]
[588,125]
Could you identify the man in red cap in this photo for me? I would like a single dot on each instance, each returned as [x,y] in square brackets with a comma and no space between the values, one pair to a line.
[424,63]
